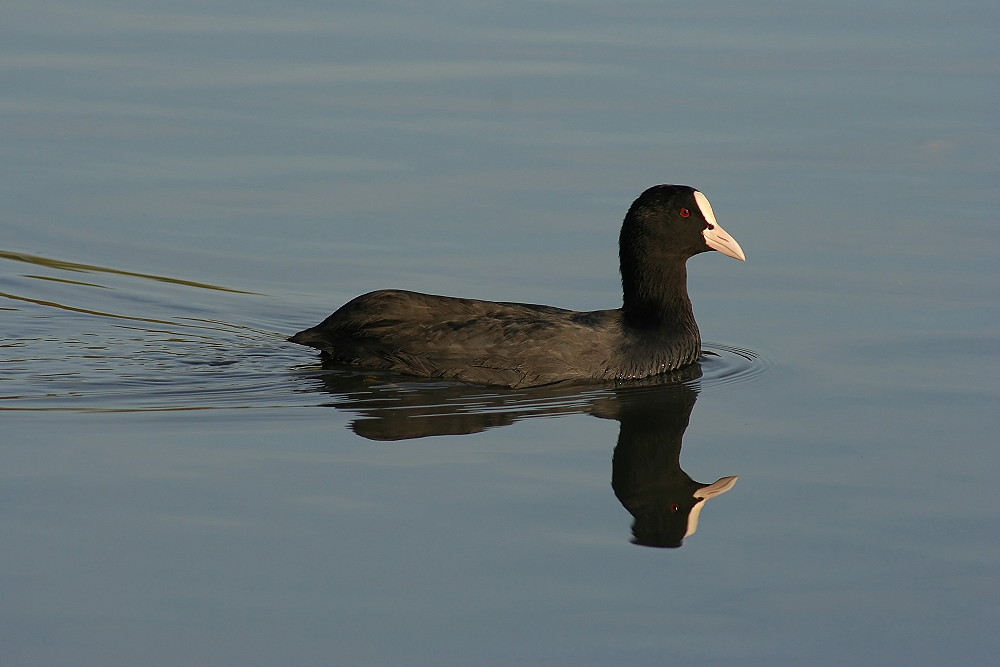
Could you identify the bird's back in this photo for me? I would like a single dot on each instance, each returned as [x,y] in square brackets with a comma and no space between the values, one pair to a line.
[511,344]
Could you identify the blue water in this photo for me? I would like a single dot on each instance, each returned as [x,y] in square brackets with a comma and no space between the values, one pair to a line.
[184,185]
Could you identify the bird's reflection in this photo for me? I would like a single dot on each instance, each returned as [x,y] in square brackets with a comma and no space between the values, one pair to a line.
[653,415]
[646,472]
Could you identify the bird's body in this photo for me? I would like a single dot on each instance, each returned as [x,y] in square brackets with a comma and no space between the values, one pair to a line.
[510,344]
[521,345]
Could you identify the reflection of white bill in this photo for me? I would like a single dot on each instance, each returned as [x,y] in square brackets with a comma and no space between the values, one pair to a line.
[704,493]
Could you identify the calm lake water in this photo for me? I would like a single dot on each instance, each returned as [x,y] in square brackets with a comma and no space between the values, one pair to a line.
[185,184]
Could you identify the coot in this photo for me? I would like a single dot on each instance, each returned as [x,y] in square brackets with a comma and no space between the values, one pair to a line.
[522,344]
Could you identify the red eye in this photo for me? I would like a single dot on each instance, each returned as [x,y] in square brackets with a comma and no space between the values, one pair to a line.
[685,212]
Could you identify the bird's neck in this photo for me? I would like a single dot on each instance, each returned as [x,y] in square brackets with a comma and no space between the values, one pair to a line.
[656,298]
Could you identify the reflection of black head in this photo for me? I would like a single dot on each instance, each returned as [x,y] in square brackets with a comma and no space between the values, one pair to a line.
[646,473]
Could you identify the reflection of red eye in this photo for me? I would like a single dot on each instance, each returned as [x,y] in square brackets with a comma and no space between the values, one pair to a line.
[675,507]
[685,212]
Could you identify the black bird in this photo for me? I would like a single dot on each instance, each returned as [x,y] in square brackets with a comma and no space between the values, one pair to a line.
[524,345]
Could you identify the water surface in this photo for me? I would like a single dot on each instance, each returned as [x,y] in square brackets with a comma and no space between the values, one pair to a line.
[186,185]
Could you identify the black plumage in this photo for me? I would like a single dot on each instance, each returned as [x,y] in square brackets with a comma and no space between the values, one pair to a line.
[521,345]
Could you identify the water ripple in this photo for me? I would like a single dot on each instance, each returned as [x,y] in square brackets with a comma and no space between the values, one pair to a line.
[127,341]
[391,407]
[727,364]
